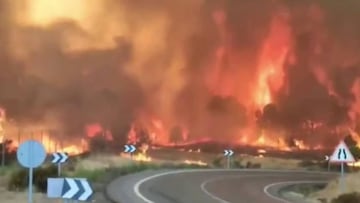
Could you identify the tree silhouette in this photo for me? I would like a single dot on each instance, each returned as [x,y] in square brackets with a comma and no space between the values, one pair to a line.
[176,135]
[98,143]
[349,141]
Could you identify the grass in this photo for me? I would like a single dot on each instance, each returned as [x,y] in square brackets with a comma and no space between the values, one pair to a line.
[305,189]
[7,169]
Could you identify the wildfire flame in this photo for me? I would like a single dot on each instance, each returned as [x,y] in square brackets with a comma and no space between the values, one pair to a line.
[141,155]
[192,162]
[252,66]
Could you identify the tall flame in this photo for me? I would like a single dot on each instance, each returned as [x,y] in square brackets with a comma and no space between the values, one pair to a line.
[272,59]
[177,63]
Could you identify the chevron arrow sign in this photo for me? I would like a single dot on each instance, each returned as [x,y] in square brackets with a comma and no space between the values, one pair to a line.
[129,149]
[59,157]
[77,189]
[228,152]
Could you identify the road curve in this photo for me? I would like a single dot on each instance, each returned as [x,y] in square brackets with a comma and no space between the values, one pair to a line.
[208,186]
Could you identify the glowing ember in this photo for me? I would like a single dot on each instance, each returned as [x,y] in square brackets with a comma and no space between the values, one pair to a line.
[197,151]
[141,157]
[356,164]
[261,151]
[261,140]
[72,150]
[192,162]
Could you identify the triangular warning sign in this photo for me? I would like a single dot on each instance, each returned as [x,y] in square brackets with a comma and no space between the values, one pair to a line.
[342,154]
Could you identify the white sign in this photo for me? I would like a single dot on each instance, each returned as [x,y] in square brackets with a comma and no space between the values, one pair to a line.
[228,152]
[342,154]
[54,187]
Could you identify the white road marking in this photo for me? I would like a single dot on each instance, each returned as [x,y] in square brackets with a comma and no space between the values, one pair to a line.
[142,181]
[203,188]
[267,187]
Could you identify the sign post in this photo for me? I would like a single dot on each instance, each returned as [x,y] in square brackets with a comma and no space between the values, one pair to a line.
[31,154]
[327,158]
[342,155]
[228,153]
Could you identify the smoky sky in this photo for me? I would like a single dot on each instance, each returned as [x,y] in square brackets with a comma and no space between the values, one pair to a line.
[95,86]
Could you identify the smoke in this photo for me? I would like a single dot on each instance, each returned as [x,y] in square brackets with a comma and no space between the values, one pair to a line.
[201,64]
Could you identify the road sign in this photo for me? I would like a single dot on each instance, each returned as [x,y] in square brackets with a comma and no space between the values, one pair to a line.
[59,157]
[31,154]
[342,154]
[228,152]
[327,158]
[130,149]
[54,187]
[77,189]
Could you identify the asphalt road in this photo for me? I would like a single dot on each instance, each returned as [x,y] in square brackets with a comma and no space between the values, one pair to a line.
[208,186]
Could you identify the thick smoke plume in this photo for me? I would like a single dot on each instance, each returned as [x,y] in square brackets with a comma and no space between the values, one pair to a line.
[198,64]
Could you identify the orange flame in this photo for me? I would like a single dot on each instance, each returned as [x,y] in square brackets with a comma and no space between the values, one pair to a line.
[272,59]
[192,162]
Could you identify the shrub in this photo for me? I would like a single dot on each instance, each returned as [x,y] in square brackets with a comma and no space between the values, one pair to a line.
[98,143]
[42,174]
[237,164]
[19,179]
[307,163]
[347,198]
[6,170]
[91,175]
[217,162]
[249,164]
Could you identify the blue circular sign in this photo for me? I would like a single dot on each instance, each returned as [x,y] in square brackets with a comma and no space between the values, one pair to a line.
[31,154]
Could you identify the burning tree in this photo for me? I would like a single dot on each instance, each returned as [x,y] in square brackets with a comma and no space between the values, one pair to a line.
[99,143]
[8,146]
[143,137]
[353,146]
[176,135]
[9,151]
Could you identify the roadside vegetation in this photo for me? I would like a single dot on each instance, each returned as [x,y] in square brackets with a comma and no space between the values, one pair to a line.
[347,198]
[18,180]
[305,189]
[17,177]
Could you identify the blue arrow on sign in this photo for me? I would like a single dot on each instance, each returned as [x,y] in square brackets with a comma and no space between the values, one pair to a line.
[129,149]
